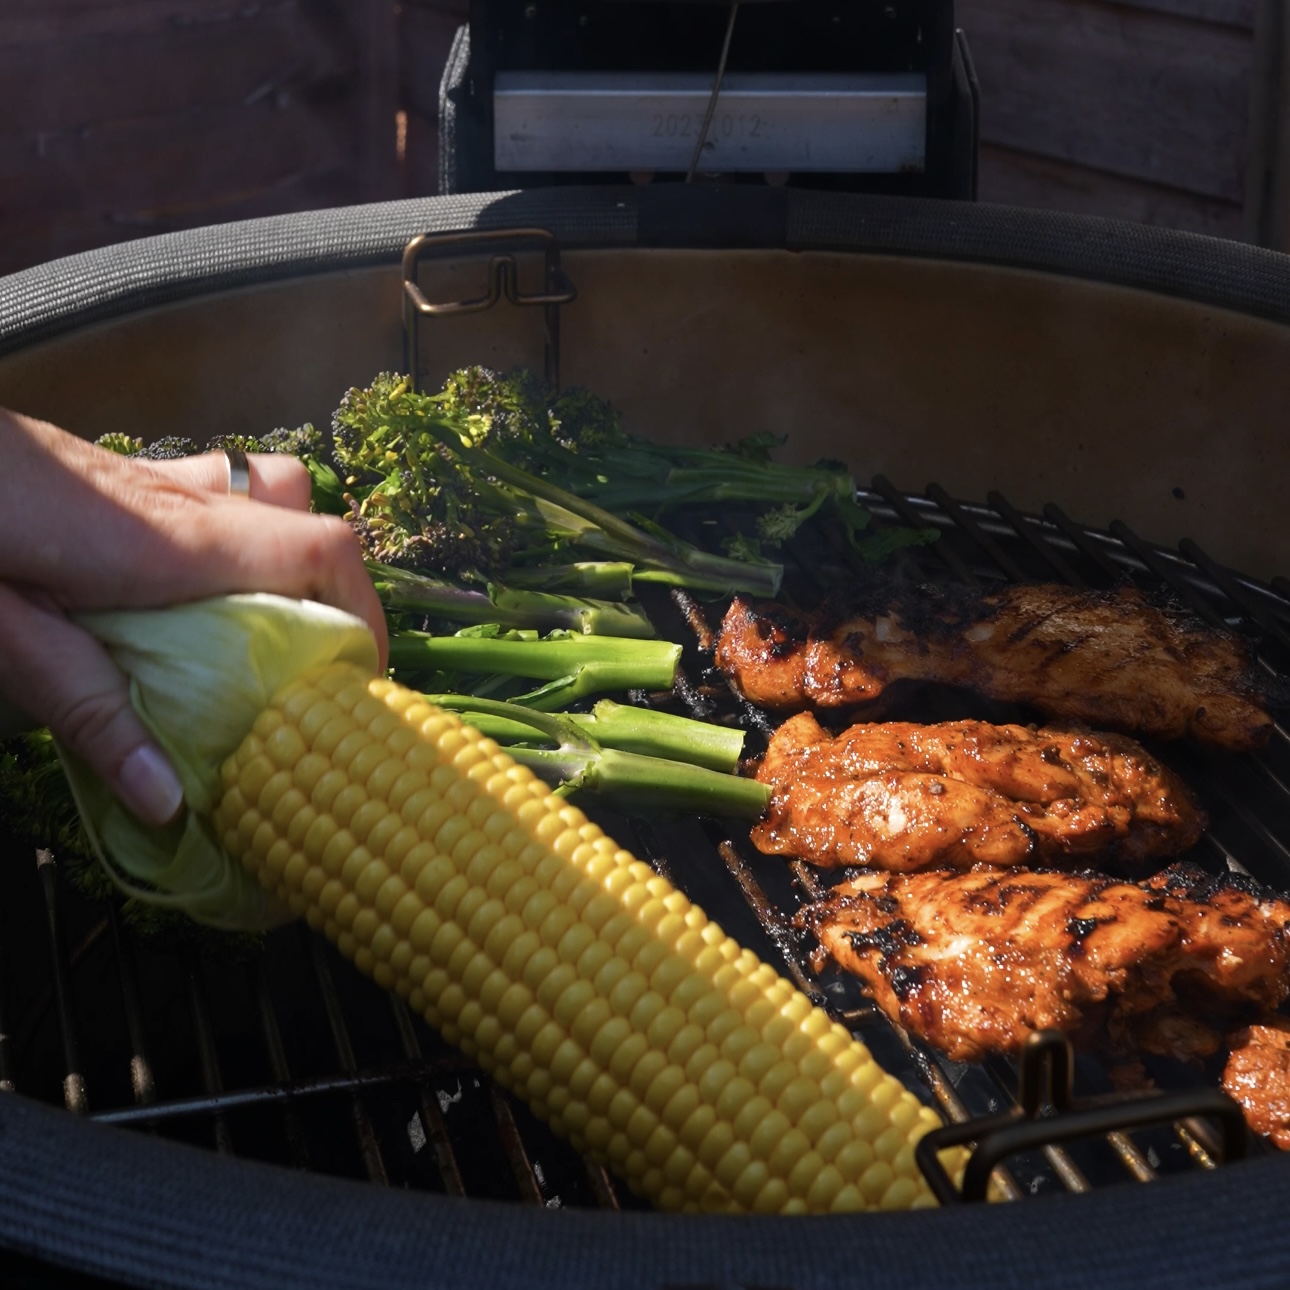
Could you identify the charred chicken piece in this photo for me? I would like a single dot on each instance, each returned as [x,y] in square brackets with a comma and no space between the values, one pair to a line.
[1257,1075]
[1111,659]
[905,797]
[973,962]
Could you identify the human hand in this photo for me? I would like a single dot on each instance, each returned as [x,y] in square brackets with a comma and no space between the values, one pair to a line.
[82,528]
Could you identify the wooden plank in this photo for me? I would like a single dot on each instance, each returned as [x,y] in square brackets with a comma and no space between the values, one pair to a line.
[1019,179]
[421,155]
[374,30]
[1230,13]
[1267,200]
[1138,94]
[425,37]
[31,21]
[271,52]
[137,171]
[461,8]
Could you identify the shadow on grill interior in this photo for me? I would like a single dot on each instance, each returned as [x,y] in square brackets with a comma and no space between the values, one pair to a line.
[1095,392]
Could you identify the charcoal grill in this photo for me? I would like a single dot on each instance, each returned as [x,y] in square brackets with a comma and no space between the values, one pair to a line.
[290,1058]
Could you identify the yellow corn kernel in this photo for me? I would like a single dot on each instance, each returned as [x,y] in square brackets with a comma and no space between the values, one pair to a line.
[572,972]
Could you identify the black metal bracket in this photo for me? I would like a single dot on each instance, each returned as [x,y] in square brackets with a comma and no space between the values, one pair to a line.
[1047,1112]
[503,280]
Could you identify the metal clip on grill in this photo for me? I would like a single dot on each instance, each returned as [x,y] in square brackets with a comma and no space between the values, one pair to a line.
[1044,1083]
[503,280]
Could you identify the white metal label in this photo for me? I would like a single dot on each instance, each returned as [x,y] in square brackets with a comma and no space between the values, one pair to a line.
[835,122]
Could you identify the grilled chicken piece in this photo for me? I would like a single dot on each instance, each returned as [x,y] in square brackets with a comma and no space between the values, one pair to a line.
[905,797]
[1257,1075]
[973,962]
[1111,659]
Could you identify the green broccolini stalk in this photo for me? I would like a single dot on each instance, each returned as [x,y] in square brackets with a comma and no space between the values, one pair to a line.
[577,438]
[613,725]
[432,492]
[406,591]
[634,783]
[574,667]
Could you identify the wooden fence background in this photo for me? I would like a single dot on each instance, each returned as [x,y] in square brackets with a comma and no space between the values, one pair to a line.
[121,118]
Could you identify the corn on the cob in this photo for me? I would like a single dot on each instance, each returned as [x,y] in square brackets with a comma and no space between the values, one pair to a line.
[574,974]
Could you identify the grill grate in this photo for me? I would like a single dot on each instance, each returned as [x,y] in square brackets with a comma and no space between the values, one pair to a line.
[291,1056]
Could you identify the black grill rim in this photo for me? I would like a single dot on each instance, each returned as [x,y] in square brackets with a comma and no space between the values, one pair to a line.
[168,1216]
[51,299]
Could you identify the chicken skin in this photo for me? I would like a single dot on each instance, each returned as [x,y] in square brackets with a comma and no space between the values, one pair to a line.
[1257,1075]
[974,962]
[1112,659]
[905,797]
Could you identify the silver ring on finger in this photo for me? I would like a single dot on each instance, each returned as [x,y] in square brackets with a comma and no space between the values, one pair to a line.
[239,473]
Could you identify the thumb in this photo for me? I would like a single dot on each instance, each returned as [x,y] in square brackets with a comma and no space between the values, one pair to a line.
[63,678]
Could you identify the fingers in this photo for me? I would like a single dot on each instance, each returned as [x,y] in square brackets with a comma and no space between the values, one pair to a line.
[65,679]
[312,557]
[322,562]
[276,478]
[97,531]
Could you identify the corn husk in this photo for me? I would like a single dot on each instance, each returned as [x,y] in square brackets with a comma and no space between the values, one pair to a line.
[200,674]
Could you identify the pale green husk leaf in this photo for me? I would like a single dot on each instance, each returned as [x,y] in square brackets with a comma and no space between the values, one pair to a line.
[200,674]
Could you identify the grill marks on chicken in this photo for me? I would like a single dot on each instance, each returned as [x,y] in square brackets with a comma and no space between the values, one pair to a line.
[1111,659]
[904,797]
[973,962]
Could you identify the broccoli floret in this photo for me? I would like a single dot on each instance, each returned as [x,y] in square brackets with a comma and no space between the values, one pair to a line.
[35,799]
[410,507]
[504,413]
[428,497]
[779,524]
[238,442]
[121,444]
[303,441]
[584,422]
[170,448]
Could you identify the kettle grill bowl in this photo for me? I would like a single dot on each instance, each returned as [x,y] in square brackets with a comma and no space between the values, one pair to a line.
[1126,372]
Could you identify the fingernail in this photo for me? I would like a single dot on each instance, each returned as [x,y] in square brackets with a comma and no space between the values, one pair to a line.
[149,786]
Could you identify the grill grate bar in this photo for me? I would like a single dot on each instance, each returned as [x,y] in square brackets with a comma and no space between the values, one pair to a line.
[368,1148]
[1168,574]
[602,1185]
[74,1094]
[7,1046]
[1084,543]
[516,1153]
[1131,1157]
[182,1108]
[1030,533]
[975,532]
[207,1052]
[432,1120]
[142,1083]
[1236,591]
[1172,577]
[900,504]
[1282,587]
[276,1052]
[771,919]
